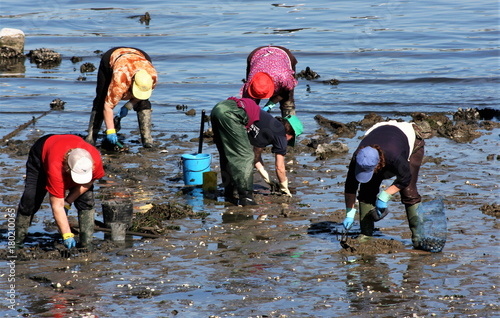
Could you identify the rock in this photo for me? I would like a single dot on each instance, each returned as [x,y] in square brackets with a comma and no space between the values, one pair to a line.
[11,61]
[9,53]
[143,18]
[87,68]
[325,151]
[57,104]
[12,38]
[370,119]
[308,74]
[469,114]
[44,58]
[317,140]
[489,113]
[347,130]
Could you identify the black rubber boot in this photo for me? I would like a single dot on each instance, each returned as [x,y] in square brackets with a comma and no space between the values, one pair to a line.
[412,216]
[287,109]
[144,118]
[93,129]
[229,194]
[366,222]
[86,224]
[246,198]
[23,223]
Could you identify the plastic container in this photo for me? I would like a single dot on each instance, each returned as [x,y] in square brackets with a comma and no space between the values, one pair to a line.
[432,225]
[193,167]
[117,212]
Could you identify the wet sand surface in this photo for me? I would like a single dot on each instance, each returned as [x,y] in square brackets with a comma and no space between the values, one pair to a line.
[281,258]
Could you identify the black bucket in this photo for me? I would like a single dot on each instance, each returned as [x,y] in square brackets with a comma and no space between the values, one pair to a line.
[117,214]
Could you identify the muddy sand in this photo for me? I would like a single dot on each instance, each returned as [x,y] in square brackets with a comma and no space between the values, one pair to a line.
[194,255]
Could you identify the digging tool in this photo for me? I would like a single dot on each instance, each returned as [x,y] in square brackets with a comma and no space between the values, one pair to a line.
[343,240]
[202,127]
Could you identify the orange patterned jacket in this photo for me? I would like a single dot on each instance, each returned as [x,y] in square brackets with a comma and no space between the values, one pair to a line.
[125,62]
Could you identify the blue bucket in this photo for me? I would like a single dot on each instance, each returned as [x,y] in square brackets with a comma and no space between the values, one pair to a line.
[193,166]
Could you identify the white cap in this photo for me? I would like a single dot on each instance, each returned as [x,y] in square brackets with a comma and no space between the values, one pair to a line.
[80,162]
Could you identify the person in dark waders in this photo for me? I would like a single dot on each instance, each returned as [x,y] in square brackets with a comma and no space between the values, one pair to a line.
[65,166]
[237,123]
[388,149]
[270,75]
[124,74]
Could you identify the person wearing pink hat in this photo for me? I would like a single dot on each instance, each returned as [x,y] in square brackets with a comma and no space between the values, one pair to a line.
[388,149]
[65,166]
[271,75]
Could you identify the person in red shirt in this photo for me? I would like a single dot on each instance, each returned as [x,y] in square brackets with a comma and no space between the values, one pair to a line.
[124,74]
[65,166]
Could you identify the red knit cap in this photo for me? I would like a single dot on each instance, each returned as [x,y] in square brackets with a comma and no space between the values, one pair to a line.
[261,86]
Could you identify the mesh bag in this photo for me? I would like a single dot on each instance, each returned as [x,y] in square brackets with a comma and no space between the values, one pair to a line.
[432,225]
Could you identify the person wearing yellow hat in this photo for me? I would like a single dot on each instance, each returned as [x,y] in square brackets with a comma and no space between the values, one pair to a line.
[65,166]
[271,75]
[124,74]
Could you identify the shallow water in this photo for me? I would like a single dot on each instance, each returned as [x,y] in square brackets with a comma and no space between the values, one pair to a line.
[392,58]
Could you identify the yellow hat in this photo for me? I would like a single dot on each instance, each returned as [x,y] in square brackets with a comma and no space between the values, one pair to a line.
[143,85]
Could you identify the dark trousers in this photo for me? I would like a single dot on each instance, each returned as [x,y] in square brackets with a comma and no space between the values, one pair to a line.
[104,76]
[409,196]
[36,181]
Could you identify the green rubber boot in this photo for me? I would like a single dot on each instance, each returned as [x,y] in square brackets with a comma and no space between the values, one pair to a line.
[86,224]
[412,216]
[93,130]
[287,109]
[366,222]
[144,118]
[23,223]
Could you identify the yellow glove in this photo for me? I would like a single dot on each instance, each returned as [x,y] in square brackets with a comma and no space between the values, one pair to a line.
[67,206]
[284,188]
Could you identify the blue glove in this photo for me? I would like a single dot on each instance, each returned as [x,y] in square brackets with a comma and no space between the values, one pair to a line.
[268,106]
[381,203]
[69,240]
[123,112]
[349,219]
[348,222]
[111,136]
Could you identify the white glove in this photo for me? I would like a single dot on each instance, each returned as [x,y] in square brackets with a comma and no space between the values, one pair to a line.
[265,175]
[284,188]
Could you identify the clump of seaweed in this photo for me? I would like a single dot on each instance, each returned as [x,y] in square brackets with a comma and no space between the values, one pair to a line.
[154,219]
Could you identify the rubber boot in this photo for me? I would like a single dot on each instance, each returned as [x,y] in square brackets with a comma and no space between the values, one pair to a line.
[229,194]
[412,216]
[287,109]
[246,198]
[93,129]
[366,222]
[22,225]
[144,118]
[86,224]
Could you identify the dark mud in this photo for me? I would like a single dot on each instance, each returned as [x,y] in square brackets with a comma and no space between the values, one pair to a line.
[209,258]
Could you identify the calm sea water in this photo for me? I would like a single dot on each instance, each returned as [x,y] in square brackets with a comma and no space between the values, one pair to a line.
[393,57]
[389,56]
